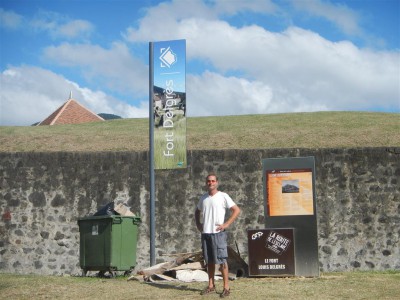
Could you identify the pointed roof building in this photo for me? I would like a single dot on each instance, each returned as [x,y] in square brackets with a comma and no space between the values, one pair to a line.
[71,112]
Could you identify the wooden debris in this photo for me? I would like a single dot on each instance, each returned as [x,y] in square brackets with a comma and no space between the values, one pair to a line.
[136,278]
[236,264]
[157,269]
[189,267]
[162,276]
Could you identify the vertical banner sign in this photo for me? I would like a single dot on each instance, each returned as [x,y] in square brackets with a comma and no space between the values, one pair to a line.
[169,104]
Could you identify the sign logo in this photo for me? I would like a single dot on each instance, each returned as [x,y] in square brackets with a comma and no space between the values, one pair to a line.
[277,242]
[256,235]
[167,57]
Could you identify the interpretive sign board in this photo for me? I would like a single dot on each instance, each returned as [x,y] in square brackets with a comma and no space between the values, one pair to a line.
[290,202]
[271,252]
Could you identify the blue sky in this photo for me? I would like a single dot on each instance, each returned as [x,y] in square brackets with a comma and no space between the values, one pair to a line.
[243,57]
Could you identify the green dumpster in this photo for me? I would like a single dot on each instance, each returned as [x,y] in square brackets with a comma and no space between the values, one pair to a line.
[108,243]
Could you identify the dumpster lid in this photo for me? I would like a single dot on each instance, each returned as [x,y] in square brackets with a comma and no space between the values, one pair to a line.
[110,217]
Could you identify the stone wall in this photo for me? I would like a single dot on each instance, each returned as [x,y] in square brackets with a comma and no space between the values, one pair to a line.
[43,194]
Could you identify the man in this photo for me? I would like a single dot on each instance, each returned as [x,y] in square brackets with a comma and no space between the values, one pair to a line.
[212,206]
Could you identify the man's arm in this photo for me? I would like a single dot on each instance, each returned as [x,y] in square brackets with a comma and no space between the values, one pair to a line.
[235,211]
[197,219]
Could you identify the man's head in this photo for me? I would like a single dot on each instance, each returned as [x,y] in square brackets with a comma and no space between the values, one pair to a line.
[212,181]
[212,174]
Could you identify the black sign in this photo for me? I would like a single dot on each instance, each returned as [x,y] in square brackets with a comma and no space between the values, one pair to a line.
[271,252]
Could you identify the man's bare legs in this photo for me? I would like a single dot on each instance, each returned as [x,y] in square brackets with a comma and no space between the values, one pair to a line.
[225,274]
[211,275]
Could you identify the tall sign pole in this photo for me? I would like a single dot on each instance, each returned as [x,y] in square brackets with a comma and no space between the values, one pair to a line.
[167,115]
[151,158]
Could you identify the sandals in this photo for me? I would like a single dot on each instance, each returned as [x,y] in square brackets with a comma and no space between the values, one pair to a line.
[225,293]
[208,290]
[211,290]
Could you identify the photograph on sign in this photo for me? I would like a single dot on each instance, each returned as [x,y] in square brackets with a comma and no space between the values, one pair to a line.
[169,104]
[289,192]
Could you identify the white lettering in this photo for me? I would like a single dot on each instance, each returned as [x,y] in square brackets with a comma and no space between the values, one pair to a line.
[168,153]
[170,145]
[168,123]
[277,267]
[170,137]
[169,103]
[263,267]
[168,115]
[169,83]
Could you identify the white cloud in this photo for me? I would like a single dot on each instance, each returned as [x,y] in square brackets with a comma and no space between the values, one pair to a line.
[162,20]
[30,94]
[223,7]
[100,102]
[340,15]
[9,19]
[75,28]
[296,64]
[114,68]
[212,94]
[59,26]
[55,24]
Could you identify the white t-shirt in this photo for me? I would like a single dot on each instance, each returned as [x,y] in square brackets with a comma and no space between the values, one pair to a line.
[213,209]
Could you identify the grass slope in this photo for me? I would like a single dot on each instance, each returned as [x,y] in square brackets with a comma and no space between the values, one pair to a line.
[292,130]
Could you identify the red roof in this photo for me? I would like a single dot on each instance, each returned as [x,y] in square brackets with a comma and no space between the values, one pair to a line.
[71,112]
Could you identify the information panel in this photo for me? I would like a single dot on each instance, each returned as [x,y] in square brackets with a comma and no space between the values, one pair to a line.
[289,192]
[271,252]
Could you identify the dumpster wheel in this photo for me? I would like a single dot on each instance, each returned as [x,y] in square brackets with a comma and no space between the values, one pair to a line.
[111,274]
